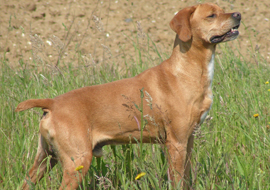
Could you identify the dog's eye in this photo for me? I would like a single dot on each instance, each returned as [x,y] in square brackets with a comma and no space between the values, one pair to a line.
[212,16]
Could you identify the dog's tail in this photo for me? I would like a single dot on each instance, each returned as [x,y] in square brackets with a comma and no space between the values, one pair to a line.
[40,103]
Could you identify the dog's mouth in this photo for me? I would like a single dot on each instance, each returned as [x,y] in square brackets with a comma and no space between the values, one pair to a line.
[230,35]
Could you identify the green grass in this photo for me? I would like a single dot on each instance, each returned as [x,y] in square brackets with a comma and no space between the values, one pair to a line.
[231,148]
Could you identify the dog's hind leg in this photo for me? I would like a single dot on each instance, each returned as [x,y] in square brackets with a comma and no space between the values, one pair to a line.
[41,164]
[74,171]
[75,154]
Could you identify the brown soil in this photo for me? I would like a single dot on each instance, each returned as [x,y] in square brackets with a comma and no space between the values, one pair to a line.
[102,30]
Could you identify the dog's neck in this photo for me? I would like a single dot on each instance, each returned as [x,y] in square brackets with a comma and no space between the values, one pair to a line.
[194,59]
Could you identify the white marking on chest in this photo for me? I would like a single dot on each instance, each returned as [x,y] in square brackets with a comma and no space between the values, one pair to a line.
[210,69]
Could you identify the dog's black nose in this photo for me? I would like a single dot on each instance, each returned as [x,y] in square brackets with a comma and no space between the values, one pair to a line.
[237,15]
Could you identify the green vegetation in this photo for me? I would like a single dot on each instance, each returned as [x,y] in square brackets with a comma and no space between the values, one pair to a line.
[231,148]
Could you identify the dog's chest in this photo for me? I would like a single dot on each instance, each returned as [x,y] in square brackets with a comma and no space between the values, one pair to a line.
[209,97]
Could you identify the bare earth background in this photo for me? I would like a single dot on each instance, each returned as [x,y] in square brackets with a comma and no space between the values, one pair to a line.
[96,31]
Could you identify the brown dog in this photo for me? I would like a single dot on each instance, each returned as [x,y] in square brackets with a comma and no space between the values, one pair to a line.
[76,125]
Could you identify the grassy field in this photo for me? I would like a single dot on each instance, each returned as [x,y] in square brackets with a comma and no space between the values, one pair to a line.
[231,148]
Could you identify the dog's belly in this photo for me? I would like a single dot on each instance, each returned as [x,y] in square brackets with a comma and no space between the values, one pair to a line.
[124,137]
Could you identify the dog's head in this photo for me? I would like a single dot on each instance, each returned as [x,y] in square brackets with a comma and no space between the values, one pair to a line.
[206,22]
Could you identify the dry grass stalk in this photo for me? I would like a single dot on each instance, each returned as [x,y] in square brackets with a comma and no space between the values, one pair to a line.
[99,24]
[107,51]
[140,32]
[57,43]
[37,47]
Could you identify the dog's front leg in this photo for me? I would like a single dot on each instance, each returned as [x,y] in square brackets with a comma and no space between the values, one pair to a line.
[177,158]
[179,161]
[188,162]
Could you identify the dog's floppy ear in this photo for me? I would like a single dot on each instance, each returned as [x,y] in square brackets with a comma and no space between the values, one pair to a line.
[181,23]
